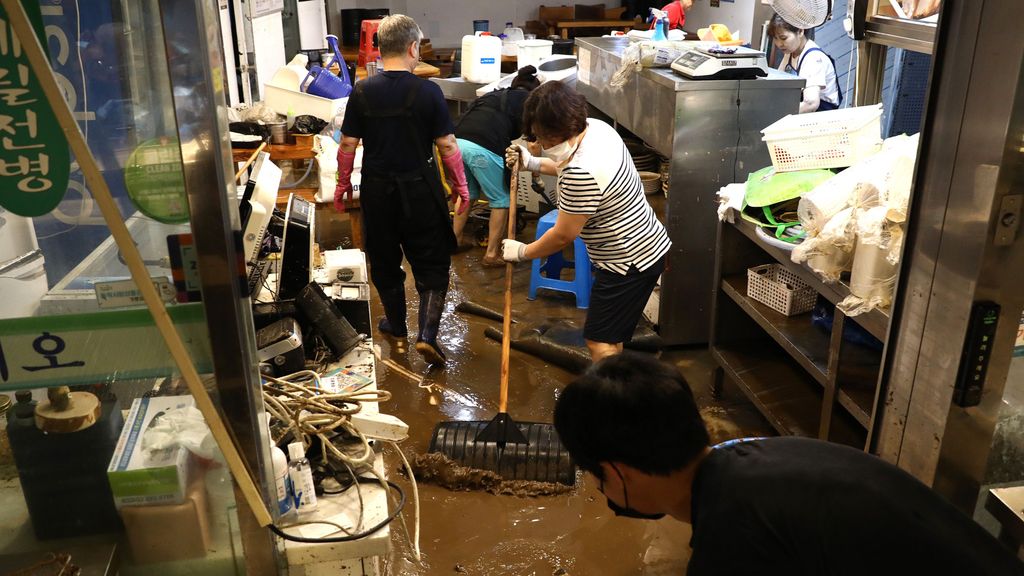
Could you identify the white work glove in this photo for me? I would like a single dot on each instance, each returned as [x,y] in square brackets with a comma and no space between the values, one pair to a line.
[526,160]
[513,250]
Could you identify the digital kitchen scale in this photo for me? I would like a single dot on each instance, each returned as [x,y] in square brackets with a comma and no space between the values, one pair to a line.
[721,63]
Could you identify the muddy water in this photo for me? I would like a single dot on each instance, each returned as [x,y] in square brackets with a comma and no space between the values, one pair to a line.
[476,532]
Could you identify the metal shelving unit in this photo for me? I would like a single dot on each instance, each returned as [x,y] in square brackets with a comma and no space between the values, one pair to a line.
[794,372]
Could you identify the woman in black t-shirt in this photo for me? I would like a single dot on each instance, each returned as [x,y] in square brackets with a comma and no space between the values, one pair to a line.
[492,122]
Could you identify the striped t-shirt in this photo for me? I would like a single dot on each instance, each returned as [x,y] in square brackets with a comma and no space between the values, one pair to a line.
[601,181]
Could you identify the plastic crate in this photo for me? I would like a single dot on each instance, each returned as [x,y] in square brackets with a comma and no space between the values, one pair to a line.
[780,289]
[832,139]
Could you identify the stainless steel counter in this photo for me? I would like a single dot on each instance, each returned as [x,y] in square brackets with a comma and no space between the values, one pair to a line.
[711,131]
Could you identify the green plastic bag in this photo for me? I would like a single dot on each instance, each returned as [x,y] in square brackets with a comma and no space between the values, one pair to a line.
[766,187]
[771,200]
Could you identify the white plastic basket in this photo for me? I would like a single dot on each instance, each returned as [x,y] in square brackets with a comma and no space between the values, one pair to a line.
[832,139]
[779,289]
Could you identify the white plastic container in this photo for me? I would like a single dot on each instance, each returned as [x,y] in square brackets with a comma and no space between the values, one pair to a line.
[481,59]
[513,36]
[281,100]
[281,480]
[290,75]
[531,52]
[832,139]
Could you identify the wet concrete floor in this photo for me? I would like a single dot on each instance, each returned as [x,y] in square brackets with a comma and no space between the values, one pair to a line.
[483,534]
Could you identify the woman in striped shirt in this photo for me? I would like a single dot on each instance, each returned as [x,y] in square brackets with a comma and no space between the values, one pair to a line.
[600,199]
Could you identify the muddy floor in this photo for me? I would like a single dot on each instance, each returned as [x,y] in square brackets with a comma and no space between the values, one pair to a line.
[480,533]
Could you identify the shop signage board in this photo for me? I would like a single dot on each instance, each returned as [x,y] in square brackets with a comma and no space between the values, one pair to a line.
[97,347]
[34,154]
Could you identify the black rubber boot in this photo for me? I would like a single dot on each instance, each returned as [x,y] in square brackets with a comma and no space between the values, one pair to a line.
[393,322]
[431,308]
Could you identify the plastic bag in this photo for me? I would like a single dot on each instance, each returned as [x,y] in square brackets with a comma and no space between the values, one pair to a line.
[830,253]
[823,315]
[183,427]
[259,112]
[326,150]
[640,55]
[307,124]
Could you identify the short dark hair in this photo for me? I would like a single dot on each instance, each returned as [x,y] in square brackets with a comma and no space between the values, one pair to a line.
[633,409]
[554,110]
[395,33]
[526,79]
[778,25]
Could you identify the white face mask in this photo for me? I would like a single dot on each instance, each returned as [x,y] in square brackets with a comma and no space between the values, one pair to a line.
[560,152]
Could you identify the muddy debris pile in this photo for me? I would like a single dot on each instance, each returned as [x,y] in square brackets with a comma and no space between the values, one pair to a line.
[440,470]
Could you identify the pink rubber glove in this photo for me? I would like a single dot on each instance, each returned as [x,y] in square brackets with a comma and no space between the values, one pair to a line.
[456,176]
[346,160]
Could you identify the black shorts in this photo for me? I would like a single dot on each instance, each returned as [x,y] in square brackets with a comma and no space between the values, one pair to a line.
[617,301]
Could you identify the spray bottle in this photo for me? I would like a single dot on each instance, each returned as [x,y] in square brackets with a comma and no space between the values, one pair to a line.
[660,24]
[301,474]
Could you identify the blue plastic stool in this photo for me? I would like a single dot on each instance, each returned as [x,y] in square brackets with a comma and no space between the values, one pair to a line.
[552,267]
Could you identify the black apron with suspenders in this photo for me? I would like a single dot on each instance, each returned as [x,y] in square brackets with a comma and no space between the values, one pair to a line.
[427,173]
[822,104]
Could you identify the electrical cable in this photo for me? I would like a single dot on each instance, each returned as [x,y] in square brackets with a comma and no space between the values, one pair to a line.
[415,503]
[300,180]
[279,531]
[850,97]
[308,413]
[739,137]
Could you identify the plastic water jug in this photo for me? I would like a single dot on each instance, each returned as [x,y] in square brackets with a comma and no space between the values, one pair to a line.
[512,37]
[481,58]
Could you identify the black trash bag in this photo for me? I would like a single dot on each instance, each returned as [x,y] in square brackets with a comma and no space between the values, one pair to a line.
[307,124]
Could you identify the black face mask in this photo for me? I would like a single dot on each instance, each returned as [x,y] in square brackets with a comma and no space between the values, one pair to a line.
[626,511]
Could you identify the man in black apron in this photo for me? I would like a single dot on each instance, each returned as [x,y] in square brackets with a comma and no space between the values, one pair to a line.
[399,119]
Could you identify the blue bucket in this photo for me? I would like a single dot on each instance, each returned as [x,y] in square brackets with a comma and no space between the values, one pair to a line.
[325,84]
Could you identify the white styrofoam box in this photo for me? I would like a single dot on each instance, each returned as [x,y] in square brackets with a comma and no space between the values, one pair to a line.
[347,266]
[531,52]
[281,100]
[139,477]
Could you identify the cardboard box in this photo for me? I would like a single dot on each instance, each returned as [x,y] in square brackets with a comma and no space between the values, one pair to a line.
[149,527]
[138,478]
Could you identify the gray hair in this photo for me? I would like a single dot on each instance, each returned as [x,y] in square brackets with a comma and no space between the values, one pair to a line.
[395,33]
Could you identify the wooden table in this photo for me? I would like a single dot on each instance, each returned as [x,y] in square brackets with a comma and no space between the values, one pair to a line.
[564,26]
[277,152]
[423,70]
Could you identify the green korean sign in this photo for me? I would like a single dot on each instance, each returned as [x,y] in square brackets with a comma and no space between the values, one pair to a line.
[34,155]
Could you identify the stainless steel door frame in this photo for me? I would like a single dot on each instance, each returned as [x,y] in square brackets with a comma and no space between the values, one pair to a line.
[969,161]
[195,53]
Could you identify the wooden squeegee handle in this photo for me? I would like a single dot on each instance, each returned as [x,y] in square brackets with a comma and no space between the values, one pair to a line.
[506,323]
[252,158]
